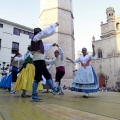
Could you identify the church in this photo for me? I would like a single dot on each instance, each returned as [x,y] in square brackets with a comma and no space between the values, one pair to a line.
[107,64]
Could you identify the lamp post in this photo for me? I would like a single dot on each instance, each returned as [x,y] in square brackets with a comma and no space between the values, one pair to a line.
[3,66]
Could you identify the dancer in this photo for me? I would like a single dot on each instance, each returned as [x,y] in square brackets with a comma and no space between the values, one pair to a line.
[8,80]
[3,80]
[60,69]
[85,79]
[26,75]
[38,50]
[15,66]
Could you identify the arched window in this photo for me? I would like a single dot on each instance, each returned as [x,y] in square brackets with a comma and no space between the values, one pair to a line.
[118,26]
[99,53]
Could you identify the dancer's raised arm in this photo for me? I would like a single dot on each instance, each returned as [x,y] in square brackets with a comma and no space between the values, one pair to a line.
[45,33]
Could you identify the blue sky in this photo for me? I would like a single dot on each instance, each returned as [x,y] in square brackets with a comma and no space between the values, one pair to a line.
[88,15]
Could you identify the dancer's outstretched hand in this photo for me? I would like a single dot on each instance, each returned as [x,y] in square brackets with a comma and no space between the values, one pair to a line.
[54,44]
[67,58]
[57,24]
[57,45]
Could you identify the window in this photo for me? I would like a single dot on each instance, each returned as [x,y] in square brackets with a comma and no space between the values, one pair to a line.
[22,31]
[26,33]
[31,35]
[118,26]
[99,53]
[16,31]
[0,43]
[15,47]
[1,25]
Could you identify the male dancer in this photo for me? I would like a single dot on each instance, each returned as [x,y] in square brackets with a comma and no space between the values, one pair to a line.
[60,69]
[38,50]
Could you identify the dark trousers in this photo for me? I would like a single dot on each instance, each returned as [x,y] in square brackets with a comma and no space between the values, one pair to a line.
[14,76]
[59,76]
[40,69]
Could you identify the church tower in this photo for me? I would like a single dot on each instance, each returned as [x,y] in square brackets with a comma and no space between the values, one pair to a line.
[60,11]
[110,14]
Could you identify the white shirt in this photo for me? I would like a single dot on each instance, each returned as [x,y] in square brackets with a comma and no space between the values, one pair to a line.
[39,56]
[43,34]
[17,58]
[57,61]
[83,59]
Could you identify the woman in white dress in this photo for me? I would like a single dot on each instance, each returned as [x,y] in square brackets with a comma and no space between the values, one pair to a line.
[85,79]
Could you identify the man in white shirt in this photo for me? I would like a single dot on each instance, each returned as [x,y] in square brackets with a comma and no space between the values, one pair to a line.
[38,50]
[60,68]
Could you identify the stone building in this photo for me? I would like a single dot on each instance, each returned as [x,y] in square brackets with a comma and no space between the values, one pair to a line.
[13,37]
[107,64]
[52,11]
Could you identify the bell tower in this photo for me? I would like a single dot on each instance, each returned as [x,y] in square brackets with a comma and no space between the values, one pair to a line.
[110,14]
[60,11]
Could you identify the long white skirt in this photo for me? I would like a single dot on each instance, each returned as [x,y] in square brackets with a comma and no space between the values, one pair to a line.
[85,80]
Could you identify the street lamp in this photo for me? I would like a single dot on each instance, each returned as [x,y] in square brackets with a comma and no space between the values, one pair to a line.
[2,67]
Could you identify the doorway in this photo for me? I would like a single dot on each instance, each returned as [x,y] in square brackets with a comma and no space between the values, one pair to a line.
[102,82]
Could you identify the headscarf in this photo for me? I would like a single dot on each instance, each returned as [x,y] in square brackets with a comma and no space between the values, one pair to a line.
[56,51]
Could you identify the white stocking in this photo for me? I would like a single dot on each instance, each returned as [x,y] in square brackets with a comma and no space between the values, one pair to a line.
[12,86]
[56,84]
[61,88]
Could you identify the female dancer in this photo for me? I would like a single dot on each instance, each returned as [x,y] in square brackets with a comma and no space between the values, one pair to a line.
[15,66]
[85,79]
[26,76]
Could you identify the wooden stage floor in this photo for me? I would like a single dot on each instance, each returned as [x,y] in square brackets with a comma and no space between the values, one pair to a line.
[71,106]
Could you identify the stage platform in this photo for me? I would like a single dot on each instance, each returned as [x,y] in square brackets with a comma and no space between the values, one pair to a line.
[71,106]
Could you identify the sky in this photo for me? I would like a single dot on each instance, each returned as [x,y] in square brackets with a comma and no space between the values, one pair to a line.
[88,15]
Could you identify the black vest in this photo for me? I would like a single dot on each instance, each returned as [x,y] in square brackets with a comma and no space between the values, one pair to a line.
[37,46]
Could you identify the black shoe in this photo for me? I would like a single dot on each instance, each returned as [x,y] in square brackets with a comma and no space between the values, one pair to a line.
[24,95]
[84,96]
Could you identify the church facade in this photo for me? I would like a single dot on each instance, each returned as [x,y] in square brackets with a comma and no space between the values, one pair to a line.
[107,64]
